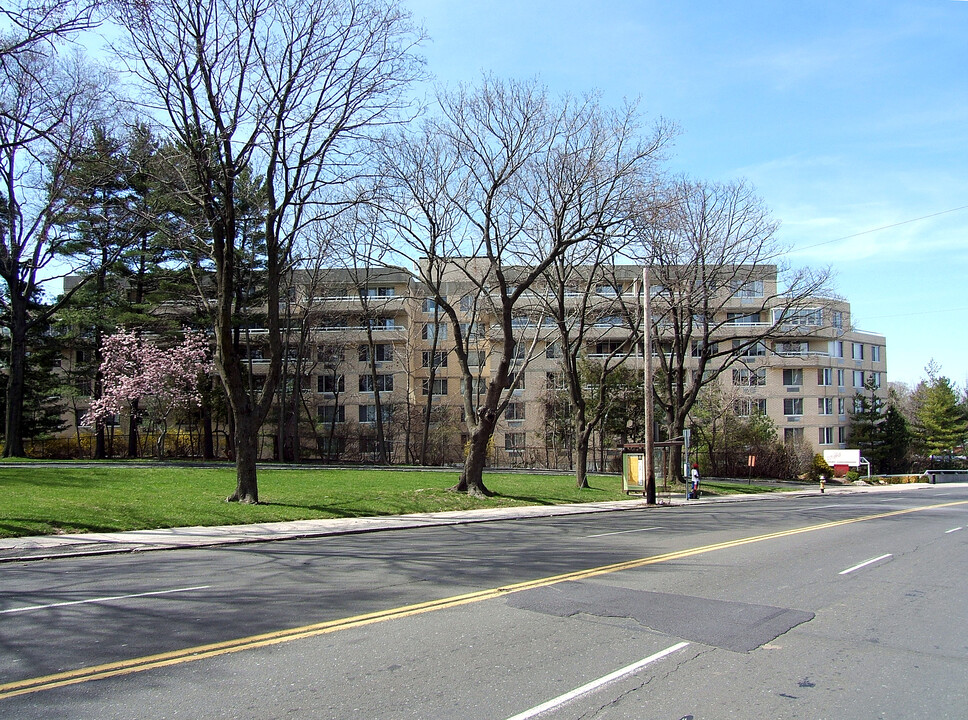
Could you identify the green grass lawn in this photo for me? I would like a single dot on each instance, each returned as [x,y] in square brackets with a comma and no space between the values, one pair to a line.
[69,498]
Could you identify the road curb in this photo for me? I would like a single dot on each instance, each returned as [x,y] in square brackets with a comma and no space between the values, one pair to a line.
[53,547]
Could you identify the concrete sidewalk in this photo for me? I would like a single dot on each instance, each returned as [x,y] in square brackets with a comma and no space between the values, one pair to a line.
[42,547]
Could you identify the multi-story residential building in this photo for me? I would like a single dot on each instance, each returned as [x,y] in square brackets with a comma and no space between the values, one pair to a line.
[377,356]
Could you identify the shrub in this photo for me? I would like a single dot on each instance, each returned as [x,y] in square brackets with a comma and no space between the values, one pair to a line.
[818,468]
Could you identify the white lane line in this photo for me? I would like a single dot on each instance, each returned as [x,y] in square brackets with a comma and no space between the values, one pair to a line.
[953,530]
[595,684]
[864,564]
[103,599]
[622,532]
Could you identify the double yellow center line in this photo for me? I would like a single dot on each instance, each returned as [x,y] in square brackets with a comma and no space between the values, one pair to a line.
[202,652]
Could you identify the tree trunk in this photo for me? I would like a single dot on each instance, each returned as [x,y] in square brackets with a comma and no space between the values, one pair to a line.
[13,439]
[581,466]
[472,476]
[246,455]
[133,430]
[208,436]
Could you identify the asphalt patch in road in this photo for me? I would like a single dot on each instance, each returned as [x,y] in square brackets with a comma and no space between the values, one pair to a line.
[734,626]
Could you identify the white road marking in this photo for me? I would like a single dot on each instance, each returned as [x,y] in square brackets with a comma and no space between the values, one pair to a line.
[865,564]
[103,599]
[595,684]
[622,532]
[953,530]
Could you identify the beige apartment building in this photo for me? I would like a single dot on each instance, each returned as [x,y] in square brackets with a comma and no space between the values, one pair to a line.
[379,355]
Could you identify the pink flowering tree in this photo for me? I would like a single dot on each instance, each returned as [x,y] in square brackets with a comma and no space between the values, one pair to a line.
[161,380]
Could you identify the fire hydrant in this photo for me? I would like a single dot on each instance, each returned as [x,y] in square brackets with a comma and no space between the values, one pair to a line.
[823,483]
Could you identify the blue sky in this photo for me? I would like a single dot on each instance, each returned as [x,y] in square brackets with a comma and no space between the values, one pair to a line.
[850,118]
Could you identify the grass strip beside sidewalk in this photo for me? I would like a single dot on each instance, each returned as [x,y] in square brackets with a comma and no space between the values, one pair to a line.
[46,500]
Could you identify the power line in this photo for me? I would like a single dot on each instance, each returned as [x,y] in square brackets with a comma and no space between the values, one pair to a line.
[885,227]
[936,311]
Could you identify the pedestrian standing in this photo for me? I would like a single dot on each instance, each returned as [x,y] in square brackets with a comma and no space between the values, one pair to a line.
[695,482]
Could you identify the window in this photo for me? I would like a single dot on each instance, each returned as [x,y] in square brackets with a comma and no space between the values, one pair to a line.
[514,411]
[439,387]
[80,356]
[842,435]
[840,378]
[553,350]
[437,359]
[698,347]
[826,436]
[331,413]
[330,354]
[825,406]
[331,446]
[748,289]
[471,331]
[382,323]
[749,406]
[382,352]
[837,348]
[383,383]
[792,435]
[378,292]
[478,386]
[516,377]
[825,376]
[467,303]
[793,406]
[792,348]
[610,321]
[736,318]
[330,383]
[514,442]
[876,353]
[430,305]
[876,378]
[798,316]
[368,413]
[837,318]
[609,290]
[793,376]
[555,381]
[430,330]
[607,347]
[857,351]
[841,406]
[858,378]
[757,349]
[476,358]
[744,377]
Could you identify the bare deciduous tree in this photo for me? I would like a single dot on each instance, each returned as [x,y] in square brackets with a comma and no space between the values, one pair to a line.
[290,89]
[34,28]
[708,244]
[496,187]
[48,105]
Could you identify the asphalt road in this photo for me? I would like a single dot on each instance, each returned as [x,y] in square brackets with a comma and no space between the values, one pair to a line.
[817,606]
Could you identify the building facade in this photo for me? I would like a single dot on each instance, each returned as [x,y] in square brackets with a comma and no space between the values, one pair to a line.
[372,361]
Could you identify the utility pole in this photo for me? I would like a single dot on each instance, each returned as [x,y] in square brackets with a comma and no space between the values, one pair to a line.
[647,390]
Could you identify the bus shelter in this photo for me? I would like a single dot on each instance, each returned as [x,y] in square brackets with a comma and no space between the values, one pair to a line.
[633,466]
